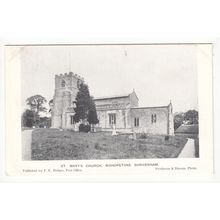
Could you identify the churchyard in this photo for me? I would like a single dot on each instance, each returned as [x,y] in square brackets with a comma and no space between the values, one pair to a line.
[55,144]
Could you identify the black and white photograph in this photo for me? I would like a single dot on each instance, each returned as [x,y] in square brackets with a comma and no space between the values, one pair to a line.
[116,101]
[109,109]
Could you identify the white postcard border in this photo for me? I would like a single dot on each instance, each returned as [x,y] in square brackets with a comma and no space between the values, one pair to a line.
[204,163]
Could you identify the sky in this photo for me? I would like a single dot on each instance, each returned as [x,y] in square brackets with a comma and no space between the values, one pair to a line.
[157,73]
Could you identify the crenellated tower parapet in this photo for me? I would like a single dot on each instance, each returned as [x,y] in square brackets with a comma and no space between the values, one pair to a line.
[67,80]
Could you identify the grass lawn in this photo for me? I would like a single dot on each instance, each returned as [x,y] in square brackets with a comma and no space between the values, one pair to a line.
[52,144]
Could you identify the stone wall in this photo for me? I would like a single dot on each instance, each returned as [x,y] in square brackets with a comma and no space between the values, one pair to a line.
[114,103]
[126,110]
[120,106]
[121,119]
[118,102]
[158,126]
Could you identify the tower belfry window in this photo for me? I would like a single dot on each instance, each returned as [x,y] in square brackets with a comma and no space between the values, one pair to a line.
[63,84]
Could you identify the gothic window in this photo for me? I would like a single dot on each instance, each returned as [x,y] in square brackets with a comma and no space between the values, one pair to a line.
[136,122]
[63,83]
[72,120]
[112,119]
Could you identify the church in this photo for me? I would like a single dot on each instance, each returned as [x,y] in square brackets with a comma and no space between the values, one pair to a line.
[121,112]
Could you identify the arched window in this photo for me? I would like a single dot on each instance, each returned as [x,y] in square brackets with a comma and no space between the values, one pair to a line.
[136,122]
[63,83]
[72,120]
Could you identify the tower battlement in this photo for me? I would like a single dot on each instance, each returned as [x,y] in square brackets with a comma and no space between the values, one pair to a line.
[70,74]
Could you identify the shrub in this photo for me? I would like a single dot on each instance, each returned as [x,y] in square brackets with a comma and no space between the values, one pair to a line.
[84,128]
[28,118]
[97,147]
[143,136]
[166,138]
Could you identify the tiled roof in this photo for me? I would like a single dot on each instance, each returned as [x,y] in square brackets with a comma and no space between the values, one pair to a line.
[116,96]
[166,106]
[112,97]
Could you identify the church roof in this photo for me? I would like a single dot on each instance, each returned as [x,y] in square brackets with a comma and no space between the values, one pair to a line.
[150,107]
[113,97]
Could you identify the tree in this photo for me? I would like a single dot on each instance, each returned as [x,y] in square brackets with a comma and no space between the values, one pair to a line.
[36,104]
[178,120]
[92,114]
[189,117]
[192,117]
[50,105]
[83,100]
[51,102]
[85,110]
[28,118]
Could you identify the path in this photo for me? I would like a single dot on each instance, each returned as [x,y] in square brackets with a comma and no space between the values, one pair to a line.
[26,144]
[188,150]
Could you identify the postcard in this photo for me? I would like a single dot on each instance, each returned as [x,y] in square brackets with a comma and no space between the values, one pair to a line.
[136,111]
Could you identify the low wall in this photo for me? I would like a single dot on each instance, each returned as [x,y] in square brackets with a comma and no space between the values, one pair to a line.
[187,135]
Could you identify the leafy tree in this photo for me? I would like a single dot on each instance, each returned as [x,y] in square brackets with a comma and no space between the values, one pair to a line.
[192,117]
[189,117]
[85,110]
[50,105]
[92,114]
[50,102]
[178,120]
[28,118]
[36,104]
[82,103]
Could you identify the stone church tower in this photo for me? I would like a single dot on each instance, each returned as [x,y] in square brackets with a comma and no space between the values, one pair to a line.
[66,88]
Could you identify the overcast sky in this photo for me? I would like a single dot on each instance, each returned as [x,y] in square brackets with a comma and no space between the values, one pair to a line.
[158,73]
